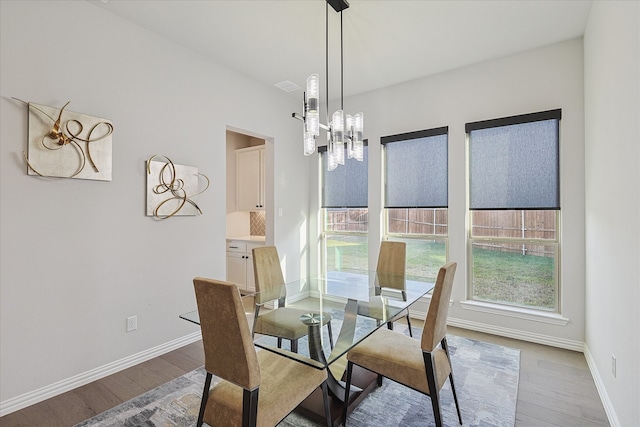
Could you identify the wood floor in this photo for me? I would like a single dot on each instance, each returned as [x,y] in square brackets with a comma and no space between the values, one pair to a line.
[555,388]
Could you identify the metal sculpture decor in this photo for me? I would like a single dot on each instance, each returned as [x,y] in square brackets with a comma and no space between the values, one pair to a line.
[172,189]
[60,142]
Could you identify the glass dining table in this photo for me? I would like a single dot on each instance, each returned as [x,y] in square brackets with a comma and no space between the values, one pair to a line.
[357,304]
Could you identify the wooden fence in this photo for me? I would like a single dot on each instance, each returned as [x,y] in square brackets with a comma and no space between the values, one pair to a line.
[539,225]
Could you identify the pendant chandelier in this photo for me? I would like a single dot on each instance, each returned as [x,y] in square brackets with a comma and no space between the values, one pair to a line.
[343,128]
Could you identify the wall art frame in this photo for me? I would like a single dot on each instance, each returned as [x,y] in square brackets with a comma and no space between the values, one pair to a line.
[173,189]
[65,144]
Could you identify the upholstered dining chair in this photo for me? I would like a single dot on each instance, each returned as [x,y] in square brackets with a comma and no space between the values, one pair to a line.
[229,352]
[268,276]
[390,272]
[421,365]
[392,260]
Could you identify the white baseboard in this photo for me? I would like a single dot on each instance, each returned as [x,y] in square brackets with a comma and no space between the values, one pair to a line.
[546,340]
[612,416]
[27,399]
[519,335]
[509,333]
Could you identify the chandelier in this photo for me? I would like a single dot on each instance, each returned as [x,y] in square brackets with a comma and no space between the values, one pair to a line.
[343,129]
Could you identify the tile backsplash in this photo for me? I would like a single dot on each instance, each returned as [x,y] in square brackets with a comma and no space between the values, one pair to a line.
[257,223]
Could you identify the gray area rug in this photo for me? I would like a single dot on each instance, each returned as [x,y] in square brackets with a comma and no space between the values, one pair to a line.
[486,378]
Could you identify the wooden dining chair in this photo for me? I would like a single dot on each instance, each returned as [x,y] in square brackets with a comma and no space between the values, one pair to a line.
[229,352]
[421,365]
[283,323]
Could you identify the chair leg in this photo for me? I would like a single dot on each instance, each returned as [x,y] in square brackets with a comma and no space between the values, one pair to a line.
[205,397]
[346,394]
[325,399]
[249,407]
[455,397]
[279,342]
[445,347]
[409,325]
[294,346]
[433,388]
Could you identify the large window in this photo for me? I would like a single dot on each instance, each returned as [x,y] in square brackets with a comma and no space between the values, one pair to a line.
[416,198]
[346,215]
[514,202]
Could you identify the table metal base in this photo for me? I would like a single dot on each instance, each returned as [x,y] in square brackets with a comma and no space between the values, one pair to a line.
[362,381]
[313,407]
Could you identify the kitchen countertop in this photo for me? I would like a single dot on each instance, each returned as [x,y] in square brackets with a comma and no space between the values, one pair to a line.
[248,238]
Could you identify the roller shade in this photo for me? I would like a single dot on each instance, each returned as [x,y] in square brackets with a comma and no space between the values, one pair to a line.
[514,162]
[347,185]
[416,169]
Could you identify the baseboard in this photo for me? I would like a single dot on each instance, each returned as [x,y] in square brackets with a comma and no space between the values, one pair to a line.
[546,340]
[519,335]
[14,404]
[612,416]
[541,339]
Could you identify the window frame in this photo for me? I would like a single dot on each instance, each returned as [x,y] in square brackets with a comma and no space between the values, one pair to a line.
[324,213]
[555,242]
[392,236]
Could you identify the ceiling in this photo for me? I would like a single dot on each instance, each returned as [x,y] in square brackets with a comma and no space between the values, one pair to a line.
[385,42]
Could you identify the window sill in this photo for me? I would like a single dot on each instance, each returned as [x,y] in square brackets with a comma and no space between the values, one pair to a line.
[517,312]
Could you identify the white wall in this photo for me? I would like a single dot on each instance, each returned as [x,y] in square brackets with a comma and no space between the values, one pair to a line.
[78,256]
[612,120]
[532,81]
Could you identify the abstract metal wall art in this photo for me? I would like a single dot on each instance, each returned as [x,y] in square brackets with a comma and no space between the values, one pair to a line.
[61,142]
[172,189]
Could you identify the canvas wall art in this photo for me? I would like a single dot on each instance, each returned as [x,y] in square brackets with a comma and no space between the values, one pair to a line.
[66,144]
[172,189]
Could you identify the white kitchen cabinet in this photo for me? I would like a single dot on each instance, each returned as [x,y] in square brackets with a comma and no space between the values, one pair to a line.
[250,178]
[240,264]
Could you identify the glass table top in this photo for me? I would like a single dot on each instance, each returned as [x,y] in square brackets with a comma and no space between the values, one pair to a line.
[356,303]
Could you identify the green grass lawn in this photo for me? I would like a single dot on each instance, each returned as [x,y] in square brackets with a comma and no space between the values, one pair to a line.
[525,280]
[503,277]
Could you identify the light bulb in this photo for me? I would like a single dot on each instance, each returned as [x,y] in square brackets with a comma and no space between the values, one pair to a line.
[349,133]
[358,144]
[312,115]
[309,143]
[358,150]
[358,126]
[337,127]
[339,150]
[332,161]
[337,135]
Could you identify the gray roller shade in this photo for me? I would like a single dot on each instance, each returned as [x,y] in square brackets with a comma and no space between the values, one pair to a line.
[347,185]
[416,169]
[515,165]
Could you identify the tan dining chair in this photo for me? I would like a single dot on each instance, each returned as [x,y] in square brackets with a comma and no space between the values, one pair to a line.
[422,365]
[390,272]
[256,388]
[283,323]
[392,260]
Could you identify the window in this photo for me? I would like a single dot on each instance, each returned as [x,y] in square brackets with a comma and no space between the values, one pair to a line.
[416,198]
[514,202]
[346,215]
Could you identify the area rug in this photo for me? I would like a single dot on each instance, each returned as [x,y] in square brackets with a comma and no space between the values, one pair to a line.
[486,378]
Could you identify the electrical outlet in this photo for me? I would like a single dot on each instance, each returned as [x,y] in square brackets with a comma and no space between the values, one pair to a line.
[132,323]
[613,364]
